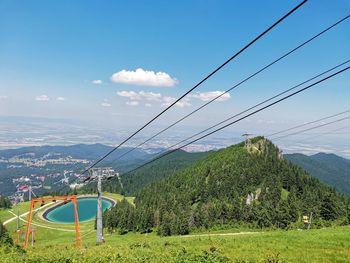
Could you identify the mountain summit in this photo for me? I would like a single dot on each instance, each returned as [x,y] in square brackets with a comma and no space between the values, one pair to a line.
[248,183]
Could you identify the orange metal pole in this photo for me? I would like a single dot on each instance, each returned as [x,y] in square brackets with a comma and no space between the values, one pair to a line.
[76,221]
[32,204]
[30,215]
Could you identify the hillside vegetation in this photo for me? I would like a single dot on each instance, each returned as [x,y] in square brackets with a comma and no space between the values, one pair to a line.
[329,168]
[321,245]
[159,169]
[131,183]
[230,245]
[234,186]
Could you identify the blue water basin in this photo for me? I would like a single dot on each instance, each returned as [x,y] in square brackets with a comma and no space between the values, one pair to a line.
[87,207]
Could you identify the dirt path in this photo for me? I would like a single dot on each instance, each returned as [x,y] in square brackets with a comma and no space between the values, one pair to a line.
[35,224]
[24,214]
[48,227]
[224,234]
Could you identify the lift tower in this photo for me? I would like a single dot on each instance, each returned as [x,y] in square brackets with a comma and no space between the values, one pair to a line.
[247,143]
[100,174]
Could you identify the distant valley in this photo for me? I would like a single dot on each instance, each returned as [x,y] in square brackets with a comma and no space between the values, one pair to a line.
[51,168]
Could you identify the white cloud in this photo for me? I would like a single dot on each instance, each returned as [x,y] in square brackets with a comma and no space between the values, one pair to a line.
[183,103]
[207,96]
[42,98]
[132,103]
[132,95]
[144,78]
[167,101]
[308,148]
[136,97]
[151,96]
[3,97]
[60,99]
[106,103]
[129,94]
[97,82]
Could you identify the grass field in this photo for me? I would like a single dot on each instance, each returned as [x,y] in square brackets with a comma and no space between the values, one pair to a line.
[316,245]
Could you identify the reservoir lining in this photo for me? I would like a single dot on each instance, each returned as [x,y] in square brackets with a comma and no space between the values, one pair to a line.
[87,207]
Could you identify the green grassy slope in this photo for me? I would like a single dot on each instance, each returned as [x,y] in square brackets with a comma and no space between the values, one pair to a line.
[323,245]
[316,245]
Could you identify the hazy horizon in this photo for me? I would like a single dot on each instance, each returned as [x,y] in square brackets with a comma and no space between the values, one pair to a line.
[101,75]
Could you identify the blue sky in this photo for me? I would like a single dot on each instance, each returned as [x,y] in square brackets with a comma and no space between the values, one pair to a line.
[52,53]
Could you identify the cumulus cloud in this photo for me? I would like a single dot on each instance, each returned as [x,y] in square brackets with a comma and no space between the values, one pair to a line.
[97,82]
[42,98]
[167,101]
[60,99]
[106,103]
[136,97]
[143,77]
[132,103]
[207,96]
[129,94]
[309,148]
[151,96]
[184,103]
[132,95]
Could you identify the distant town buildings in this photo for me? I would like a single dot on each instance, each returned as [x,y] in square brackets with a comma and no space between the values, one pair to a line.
[44,172]
[41,162]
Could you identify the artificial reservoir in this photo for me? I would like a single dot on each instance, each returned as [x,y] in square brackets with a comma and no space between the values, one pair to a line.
[87,207]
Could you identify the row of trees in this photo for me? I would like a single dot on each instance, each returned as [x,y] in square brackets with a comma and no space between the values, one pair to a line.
[5,238]
[5,203]
[214,192]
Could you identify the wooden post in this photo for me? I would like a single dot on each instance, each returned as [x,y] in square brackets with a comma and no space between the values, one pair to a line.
[310,219]
[33,236]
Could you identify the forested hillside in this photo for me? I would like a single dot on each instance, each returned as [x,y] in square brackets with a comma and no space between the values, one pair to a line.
[130,183]
[159,169]
[239,185]
[329,168]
